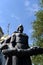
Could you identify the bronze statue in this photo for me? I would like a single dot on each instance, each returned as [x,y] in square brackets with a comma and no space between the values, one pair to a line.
[18,52]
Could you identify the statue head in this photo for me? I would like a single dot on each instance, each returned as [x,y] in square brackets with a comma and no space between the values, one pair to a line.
[20,28]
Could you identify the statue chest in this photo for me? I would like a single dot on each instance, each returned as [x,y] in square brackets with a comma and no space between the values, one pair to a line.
[21,40]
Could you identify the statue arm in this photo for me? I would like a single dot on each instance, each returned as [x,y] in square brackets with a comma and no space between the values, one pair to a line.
[4,46]
[23,52]
[37,50]
[13,40]
[10,52]
[31,51]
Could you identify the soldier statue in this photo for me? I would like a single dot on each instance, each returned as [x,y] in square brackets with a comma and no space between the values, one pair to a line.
[18,52]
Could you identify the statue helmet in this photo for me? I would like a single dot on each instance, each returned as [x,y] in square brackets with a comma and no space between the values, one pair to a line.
[20,28]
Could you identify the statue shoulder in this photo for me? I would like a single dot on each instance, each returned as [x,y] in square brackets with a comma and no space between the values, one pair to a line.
[25,35]
[21,35]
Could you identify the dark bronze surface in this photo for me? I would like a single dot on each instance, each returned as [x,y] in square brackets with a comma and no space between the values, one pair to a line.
[18,52]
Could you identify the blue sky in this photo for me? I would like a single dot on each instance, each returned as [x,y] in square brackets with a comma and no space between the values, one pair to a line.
[18,12]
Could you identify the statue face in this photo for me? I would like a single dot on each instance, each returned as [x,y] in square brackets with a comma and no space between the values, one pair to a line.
[20,28]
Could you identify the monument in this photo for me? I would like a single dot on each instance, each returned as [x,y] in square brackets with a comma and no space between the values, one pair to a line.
[17,50]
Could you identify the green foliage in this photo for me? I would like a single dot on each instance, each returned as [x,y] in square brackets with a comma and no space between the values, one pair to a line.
[37,35]
[41,3]
[37,60]
[38,28]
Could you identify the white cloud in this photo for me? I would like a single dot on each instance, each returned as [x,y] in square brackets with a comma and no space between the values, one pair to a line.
[17,17]
[31,7]
[14,16]
[35,7]
[31,10]
[27,3]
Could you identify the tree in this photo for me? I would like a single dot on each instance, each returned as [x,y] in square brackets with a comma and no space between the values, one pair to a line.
[41,2]
[37,35]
